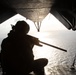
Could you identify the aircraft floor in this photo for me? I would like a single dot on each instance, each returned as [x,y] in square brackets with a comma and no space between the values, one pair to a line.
[61,70]
[57,70]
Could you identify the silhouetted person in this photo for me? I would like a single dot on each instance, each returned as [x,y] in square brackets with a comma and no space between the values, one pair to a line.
[16,52]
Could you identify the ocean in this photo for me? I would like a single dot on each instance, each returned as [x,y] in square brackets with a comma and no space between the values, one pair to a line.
[65,39]
[59,62]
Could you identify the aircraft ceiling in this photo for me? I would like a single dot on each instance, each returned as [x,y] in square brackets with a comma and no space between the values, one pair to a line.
[37,10]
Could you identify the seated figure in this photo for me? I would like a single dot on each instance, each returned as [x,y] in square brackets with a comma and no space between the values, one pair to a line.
[16,52]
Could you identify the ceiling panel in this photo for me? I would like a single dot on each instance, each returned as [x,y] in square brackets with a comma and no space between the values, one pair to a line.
[37,10]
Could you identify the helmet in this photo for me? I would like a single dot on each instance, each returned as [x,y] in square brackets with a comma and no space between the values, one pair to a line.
[22,26]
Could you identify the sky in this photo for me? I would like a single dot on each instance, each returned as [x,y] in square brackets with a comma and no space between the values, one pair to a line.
[48,23]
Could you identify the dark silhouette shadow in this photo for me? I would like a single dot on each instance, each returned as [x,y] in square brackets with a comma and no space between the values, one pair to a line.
[16,52]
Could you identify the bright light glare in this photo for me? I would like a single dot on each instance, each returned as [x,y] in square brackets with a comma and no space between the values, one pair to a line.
[51,23]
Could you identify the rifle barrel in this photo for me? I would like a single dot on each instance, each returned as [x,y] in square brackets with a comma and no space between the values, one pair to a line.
[53,46]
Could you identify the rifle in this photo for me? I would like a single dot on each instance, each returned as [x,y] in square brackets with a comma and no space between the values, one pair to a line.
[48,44]
[53,46]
